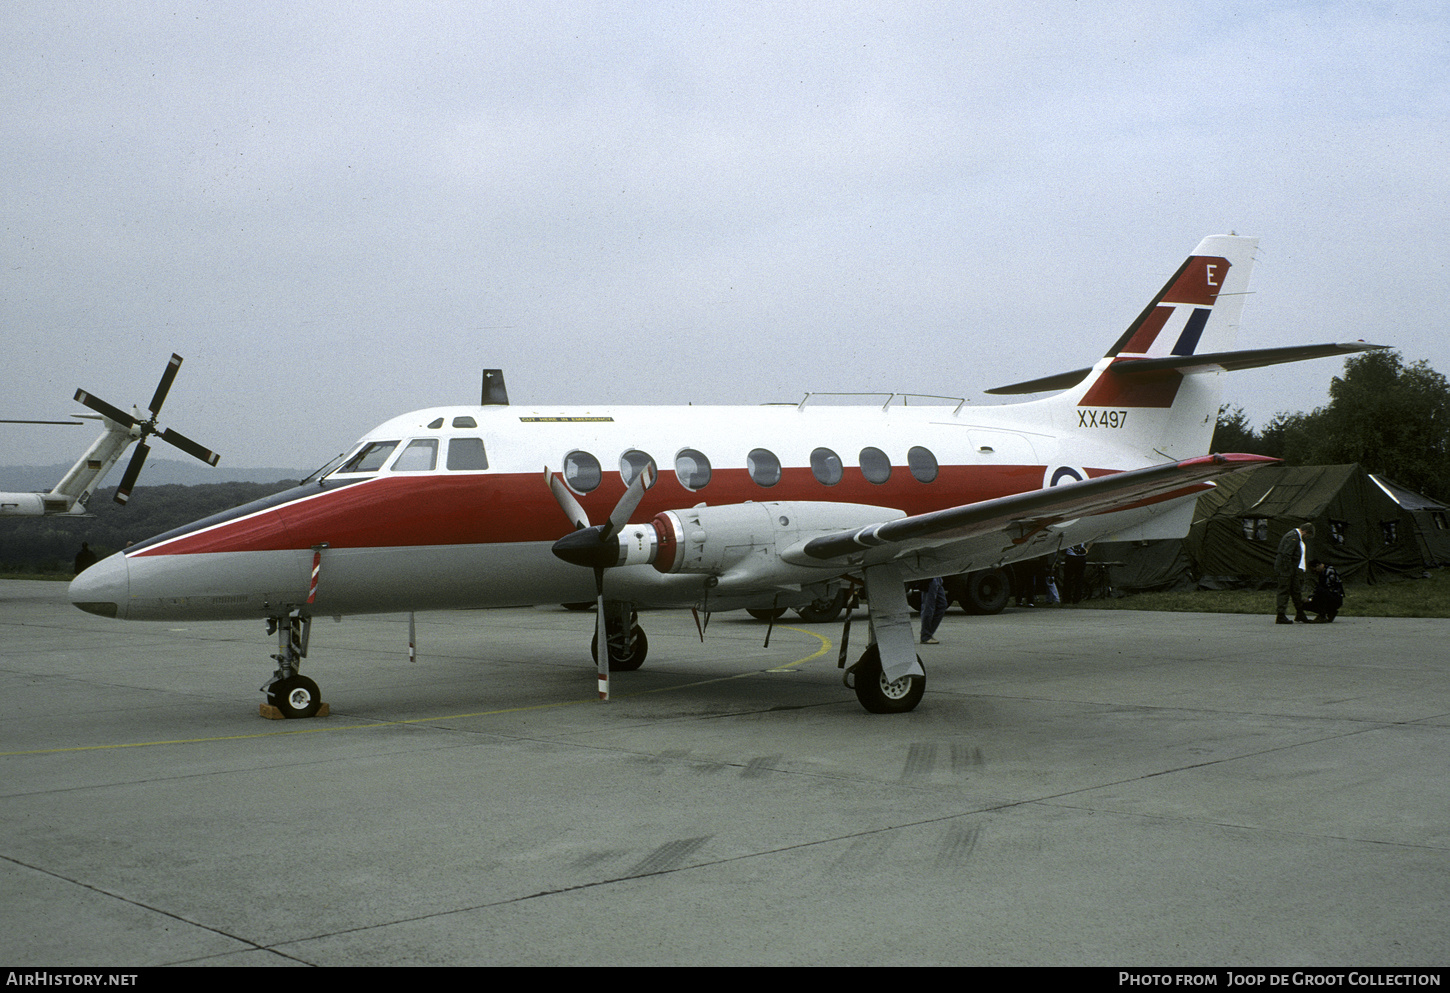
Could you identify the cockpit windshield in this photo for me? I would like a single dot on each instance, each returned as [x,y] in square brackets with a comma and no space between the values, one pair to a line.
[370,457]
[317,474]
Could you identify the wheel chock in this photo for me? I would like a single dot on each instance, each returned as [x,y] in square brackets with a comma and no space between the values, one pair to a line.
[273,714]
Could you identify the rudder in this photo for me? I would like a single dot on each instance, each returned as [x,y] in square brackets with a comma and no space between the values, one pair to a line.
[1196,312]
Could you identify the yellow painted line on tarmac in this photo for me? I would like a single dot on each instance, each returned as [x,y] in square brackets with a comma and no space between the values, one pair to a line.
[825,647]
[788,667]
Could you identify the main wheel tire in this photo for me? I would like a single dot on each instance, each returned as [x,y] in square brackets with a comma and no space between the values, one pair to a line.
[823,610]
[628,663]
[766,613]
[986,592]
[881,697]
[295,696]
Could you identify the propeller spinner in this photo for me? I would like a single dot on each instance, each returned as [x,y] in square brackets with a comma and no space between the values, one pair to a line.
[590,546]
[142,428]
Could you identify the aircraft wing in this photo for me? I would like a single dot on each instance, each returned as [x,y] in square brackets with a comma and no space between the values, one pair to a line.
[1027,512]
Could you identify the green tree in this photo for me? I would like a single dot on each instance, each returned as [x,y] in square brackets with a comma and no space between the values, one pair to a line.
[1234,434]
[1392,418]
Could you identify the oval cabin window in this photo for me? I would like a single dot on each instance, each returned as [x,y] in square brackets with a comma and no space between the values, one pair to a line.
[875,465]
[763,466]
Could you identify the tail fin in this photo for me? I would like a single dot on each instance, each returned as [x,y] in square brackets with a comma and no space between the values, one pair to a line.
[1139,389]
[1196,312]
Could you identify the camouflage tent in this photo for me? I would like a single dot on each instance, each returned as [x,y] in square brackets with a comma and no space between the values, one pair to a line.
[1366,527]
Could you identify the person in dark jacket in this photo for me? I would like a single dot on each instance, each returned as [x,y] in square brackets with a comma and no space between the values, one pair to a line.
[1290,565]
[1328,594]
[85,558]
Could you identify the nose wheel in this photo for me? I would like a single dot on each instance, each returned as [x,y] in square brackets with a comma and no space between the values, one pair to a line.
[295,696]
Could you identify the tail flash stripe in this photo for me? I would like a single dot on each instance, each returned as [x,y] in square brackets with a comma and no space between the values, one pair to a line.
[1132,332]
[1199,283]
[1188,340]
[1147,331]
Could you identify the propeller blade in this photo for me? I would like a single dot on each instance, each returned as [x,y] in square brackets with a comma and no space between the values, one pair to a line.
[594,546]
[164,387]
[190,447]
[602,662]
[566,500]
[105,409]
[628,503]
[133,469]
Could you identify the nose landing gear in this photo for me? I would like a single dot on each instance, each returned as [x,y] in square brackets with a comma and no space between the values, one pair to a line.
[289,694]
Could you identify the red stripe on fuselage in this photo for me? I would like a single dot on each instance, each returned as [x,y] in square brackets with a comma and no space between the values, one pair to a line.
[417,510]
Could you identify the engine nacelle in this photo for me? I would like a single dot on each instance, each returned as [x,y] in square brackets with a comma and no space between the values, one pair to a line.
[747,539]
[741,544]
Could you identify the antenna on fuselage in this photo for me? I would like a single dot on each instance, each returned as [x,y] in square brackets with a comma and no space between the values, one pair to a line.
[495,394]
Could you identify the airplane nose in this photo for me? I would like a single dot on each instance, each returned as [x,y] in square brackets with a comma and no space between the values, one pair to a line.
[104,588]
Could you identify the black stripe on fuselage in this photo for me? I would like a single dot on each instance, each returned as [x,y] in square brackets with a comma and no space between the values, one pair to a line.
[262,503]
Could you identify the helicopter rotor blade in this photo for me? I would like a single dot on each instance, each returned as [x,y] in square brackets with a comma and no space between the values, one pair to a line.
[133,469]
[105,409]
[164,387]
[190,447]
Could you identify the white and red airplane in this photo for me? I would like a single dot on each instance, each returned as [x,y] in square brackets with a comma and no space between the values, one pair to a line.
[720,508]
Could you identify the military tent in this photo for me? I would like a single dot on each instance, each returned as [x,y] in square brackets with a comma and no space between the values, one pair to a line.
[1429,519]
[1367,528]
[1163,563]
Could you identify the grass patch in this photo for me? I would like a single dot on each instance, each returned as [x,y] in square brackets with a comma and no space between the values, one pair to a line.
[1405,598]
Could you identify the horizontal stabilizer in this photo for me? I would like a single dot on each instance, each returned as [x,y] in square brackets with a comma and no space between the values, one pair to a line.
[1253,358]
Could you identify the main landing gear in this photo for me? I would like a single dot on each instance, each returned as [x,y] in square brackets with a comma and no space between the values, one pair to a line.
[889,677]
[878,694]
[627,643]
[293,694]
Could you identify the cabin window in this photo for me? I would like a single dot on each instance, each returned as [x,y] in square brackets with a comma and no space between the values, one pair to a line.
[692,469]
[370,457]
[875,465]
[763,466]
[436,423]
[582,472]
[826,466]
[466,454]
[922,464]
[632,463]
[1256,528]
[464,421]
[419,456]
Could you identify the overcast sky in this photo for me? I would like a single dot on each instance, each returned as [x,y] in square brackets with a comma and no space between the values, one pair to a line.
[339,212]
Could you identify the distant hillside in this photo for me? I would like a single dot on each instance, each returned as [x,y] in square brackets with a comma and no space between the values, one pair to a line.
[158,472]
[49,544]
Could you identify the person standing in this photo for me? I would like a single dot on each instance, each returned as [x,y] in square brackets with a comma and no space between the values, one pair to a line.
[85,558]
[933,608]
[1074,572]
[1290,565]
